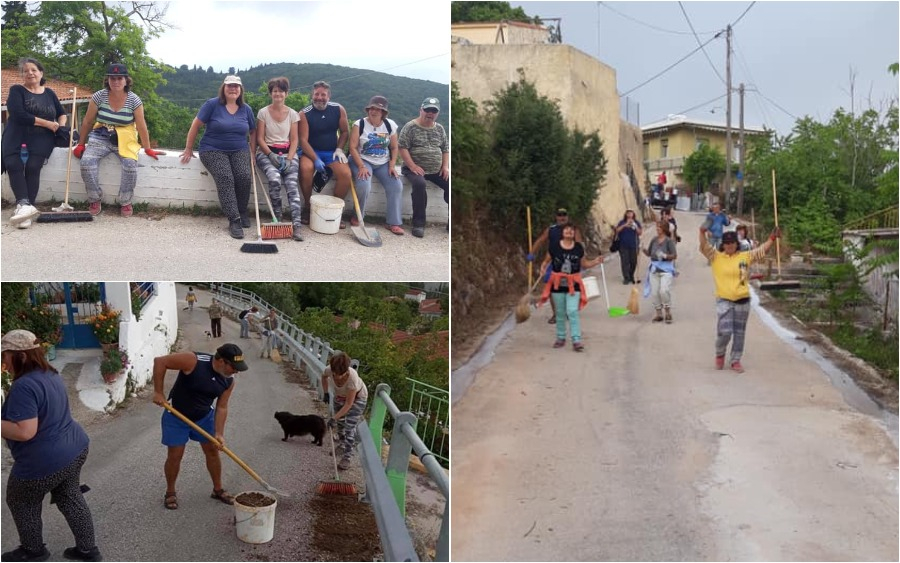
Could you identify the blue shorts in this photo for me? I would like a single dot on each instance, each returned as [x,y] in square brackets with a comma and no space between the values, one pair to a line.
[325,156]
[175,432]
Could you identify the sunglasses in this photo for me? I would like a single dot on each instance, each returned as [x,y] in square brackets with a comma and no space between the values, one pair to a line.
[430,110]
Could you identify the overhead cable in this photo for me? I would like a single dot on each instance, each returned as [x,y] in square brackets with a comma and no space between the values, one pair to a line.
[673,65]
[683,11]
[742,15]
[626,16]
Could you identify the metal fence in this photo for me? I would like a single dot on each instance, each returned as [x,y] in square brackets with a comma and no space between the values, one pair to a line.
[432,405]
[385,487]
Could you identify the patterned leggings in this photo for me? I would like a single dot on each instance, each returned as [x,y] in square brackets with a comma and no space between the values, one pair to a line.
[231,172]
[288,179]
[25,498]
[732,322]
[99,147]
[346,426]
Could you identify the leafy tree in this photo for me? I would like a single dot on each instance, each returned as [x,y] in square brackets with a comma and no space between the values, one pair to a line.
[473,163]
[20,34]
[488,12]
[703,166]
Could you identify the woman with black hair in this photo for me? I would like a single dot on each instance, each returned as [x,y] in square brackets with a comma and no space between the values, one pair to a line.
[35,115]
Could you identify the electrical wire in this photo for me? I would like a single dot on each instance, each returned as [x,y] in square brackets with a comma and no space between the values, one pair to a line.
[744,14]
[673,65]
[698,106]
[705,54]
[626,16]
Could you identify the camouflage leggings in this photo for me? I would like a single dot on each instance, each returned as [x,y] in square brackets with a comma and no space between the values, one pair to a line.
[99,147]
[288,179]
[346,426]
[732,322]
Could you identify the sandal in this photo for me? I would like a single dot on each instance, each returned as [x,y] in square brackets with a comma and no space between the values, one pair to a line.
[396,229]
[343,225]
[223,496]
[171,501]
[559,343]
[551,321]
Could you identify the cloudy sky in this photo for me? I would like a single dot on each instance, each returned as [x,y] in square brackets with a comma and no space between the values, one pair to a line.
[798,56]
[388,36]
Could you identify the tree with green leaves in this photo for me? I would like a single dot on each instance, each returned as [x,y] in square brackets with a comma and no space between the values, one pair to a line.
[703,166]
[488,12]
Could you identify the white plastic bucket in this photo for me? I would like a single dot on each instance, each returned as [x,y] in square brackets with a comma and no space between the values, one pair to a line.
[591,288]
[255,524]
[325,213]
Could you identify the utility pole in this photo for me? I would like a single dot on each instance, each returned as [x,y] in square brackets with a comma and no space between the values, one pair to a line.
[740,202]
[727,118]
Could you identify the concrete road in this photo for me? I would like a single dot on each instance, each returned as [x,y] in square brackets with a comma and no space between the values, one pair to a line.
[178,247]
[638,449]
[125,471]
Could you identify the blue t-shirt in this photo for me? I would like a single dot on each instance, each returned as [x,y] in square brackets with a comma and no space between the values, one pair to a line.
[59,438]
[717,223]
[628,237]
[323,126]
[225,132]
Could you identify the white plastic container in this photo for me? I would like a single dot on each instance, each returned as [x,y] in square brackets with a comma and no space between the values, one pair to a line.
[325,213]
[255,524]
[591,287]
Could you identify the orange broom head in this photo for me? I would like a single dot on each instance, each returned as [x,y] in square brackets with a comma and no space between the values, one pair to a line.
[523,309]
[335,488]
[277,230]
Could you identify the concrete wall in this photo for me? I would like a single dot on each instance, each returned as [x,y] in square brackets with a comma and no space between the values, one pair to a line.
[490,33]
[144,339]
[585,89]
[167,182]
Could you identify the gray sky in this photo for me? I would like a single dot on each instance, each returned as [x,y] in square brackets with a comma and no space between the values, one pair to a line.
[799,55]
[388,36]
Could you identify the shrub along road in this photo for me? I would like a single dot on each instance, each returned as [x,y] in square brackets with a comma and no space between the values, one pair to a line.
[639,449]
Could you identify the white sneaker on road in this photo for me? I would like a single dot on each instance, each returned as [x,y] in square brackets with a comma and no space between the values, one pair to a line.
[24,212]
[25,224]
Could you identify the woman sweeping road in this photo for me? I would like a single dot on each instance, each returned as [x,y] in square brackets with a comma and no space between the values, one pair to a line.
[731,272]
[565,285]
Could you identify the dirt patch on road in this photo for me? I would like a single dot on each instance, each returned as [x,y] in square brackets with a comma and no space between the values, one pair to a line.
[344,529]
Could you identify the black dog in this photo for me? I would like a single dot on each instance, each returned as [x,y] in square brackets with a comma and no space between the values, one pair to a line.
[300,425]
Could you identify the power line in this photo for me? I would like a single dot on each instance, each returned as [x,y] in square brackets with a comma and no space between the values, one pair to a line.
[744,14]
[705,54]
[776,104]
[626,16]
[764,112]
[673,65]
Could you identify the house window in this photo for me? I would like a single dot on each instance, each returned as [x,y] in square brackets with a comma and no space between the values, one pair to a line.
[664,148]
[701,142]
[646,151]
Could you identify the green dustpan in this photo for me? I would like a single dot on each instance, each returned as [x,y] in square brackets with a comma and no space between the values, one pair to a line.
[613,311]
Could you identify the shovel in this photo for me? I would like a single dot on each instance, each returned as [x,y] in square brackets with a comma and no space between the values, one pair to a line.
[366,237]
[230,454]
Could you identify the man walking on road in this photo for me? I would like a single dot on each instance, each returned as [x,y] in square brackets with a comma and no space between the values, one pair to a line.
[202,379]
[215,318]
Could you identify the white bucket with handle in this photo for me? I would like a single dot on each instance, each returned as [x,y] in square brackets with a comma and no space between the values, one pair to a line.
[591,287]
[325,213]
[254,524]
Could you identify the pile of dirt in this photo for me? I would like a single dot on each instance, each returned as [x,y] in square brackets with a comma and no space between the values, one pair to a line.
[344,529]
[255,500]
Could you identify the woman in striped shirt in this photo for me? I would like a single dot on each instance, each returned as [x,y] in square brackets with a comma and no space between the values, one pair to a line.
[114,119]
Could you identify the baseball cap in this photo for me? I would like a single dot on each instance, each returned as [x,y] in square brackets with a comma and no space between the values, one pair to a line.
[379,102]
[562,211]
[232,79]
[431,103]
[18,340]
[117,69]
[233,355]
[729,236]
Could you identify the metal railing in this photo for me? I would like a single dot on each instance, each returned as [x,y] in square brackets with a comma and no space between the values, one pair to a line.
[385,487]
[432,405]
[884,219]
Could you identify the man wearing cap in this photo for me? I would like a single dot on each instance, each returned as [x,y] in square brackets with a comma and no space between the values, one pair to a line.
[114,119]
[553,234]
[202,379]
[425,149]
[322,147]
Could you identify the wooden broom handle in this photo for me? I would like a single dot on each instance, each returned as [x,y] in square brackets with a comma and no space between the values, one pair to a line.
[530,248]
[206,435]
[71,137]
[777,239]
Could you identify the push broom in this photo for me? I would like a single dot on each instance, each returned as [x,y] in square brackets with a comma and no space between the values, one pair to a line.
[335,487]
[259,246]
[275,229]
[65,212]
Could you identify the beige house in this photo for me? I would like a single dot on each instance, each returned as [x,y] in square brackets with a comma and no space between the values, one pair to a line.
[668,143]
[499,33]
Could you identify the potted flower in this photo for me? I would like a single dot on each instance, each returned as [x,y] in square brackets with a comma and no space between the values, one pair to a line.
[106,326]
[114,362]
[46,324]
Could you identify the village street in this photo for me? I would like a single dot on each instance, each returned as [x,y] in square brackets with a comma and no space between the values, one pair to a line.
[639,449]
[125,471]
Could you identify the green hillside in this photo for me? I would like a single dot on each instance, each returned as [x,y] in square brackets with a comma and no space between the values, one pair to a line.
[350,87]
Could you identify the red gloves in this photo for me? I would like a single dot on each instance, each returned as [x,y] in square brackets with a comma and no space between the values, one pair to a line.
[78,151]
[151,153]
[775,234]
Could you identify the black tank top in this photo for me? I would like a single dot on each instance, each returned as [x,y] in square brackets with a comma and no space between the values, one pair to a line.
[323,126]
[193,394]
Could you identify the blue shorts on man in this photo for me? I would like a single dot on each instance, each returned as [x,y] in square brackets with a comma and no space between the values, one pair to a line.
[176,432]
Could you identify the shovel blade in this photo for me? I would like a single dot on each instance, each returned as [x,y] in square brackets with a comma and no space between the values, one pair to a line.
[366,237]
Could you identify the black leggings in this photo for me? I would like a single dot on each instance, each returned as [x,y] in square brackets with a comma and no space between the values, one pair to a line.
[215,326]
[24,179]
[629,257]
[25,498]
[420,196]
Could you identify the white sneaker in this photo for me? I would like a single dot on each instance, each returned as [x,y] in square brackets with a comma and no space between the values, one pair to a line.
[25,224]
[24,212]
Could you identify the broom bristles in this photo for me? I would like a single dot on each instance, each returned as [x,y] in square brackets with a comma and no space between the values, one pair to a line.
[523,309]
[335,488]
[64,217]
[277,231]
[259,247]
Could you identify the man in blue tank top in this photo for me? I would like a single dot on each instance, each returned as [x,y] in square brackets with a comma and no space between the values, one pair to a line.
[323,135]
[202,379]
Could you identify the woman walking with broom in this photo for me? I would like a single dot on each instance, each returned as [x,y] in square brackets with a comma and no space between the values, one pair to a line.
[731,273]
[566,286]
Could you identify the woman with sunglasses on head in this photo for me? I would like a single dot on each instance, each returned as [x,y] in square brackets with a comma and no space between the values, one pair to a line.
[112,124]
[48,449]
[731,273]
